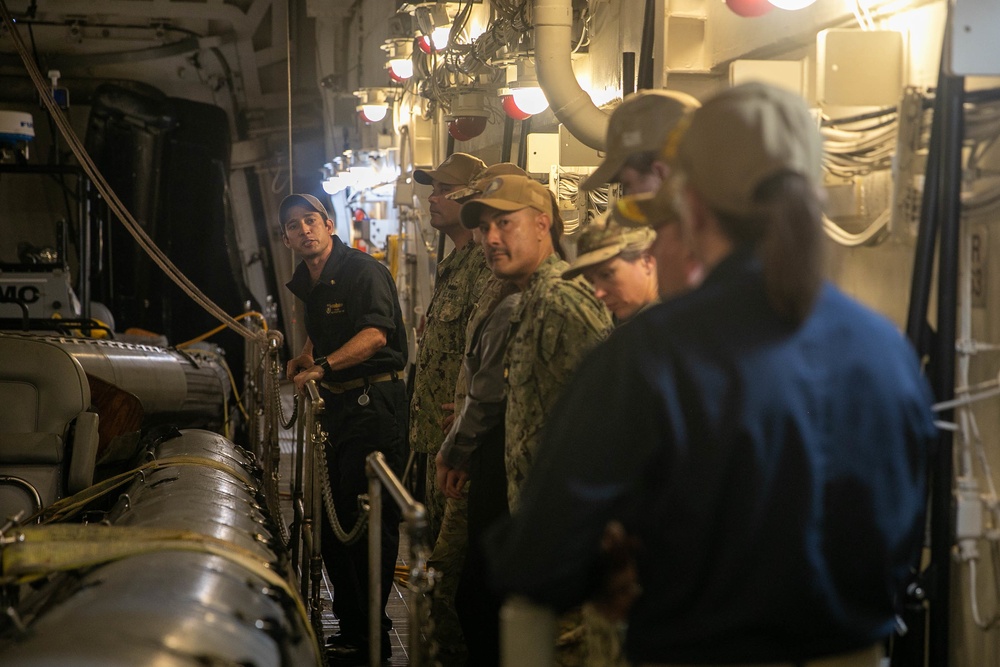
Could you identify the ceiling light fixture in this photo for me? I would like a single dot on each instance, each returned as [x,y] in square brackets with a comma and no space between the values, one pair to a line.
[469,114]
[522,97]
[434,25]
[399,53]
[792,4]
[749,8]
[373,105]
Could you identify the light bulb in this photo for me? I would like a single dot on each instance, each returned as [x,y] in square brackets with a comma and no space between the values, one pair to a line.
[334,184]
[439,38]
[530,100]
[401,69]
[791,4]
[373,113]
[511,109]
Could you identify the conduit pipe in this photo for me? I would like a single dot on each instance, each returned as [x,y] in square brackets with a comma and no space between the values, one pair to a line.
[568,100]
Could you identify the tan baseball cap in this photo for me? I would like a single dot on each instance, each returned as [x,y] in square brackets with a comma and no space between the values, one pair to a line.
[742,137]
[457,169]
[734,143]
[483,178]
[604,240]
[641,123]
[507,193]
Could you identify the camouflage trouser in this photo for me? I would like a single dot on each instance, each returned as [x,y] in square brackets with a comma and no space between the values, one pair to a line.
[588,639]
[447,559]
[434,500]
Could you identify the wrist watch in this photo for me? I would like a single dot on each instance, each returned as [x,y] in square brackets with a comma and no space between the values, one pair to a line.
[323,363]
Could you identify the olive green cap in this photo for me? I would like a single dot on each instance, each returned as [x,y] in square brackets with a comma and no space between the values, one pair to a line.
[457,169]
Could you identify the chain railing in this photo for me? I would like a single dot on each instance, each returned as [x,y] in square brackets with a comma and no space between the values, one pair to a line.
[312,495]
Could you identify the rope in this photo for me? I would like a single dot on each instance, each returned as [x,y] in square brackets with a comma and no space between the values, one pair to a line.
[114,203]
[41,550]
[67,507]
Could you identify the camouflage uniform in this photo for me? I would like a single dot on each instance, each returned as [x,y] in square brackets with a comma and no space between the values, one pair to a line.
[557,323]
[461,279]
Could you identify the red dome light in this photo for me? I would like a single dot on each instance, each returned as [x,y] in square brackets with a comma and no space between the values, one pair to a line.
[464,128]
[511,109]
[749,8]
[424,42]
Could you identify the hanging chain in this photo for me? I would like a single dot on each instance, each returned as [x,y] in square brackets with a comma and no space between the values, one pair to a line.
[319,442]
[271,484]
[276,397]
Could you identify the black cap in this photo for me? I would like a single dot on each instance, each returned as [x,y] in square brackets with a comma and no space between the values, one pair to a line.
[306,200]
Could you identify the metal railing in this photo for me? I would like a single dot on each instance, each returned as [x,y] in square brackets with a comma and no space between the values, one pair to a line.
[307,504]
[421,577]
[307,524]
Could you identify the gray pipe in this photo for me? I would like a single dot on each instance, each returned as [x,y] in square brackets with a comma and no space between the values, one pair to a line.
[569,102]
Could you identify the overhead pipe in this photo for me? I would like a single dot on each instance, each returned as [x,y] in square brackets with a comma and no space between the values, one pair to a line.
[568,100]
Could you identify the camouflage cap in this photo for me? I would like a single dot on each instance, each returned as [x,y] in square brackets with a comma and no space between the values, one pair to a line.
[604,240]
[483,178]
[508,193]
[641,123]
[457,169]
[304,200]
[734,143]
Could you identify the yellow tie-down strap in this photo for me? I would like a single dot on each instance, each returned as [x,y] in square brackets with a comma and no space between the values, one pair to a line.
[67,507]
[41,550]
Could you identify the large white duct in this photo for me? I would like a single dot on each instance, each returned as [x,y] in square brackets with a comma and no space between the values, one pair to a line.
[571,104]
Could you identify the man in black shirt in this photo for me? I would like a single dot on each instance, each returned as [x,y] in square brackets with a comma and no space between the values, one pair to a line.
[356,350]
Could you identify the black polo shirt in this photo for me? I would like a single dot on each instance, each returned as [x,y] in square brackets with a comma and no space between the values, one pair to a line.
[354,291]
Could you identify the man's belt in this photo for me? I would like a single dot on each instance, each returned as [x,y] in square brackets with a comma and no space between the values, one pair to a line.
[341,387]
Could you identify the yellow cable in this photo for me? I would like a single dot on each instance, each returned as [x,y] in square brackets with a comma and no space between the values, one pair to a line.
[209,334]
[232,380]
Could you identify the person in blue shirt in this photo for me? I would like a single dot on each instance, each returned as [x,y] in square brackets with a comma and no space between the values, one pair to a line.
[759,444]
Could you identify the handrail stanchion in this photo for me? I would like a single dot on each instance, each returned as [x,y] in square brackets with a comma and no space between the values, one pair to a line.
[421,578]
[374,569]
[312,524]
[300,542]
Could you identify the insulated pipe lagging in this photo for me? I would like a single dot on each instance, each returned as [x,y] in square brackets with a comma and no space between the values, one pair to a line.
[568,100]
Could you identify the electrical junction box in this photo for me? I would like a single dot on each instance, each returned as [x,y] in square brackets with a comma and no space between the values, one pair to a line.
[860,67]
[546,150]
[543,152]
[788,74]
[575,153]
[975,49]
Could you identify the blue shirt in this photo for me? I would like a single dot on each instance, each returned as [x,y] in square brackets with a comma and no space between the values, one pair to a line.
[774,475]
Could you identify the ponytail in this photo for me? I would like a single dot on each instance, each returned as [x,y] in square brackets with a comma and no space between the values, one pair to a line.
[786,232]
